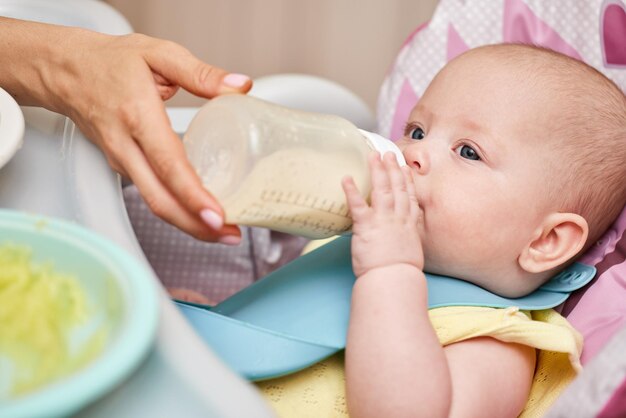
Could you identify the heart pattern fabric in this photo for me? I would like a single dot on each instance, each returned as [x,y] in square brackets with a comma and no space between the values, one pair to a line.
[613,34]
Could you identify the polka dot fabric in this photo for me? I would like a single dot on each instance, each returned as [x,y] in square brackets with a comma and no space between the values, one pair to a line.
[214,270]
[574,27]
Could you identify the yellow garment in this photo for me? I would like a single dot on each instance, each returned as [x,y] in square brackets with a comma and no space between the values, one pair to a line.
[318,392]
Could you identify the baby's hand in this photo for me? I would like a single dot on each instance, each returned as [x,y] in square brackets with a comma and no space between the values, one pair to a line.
[385,232]
[188,295]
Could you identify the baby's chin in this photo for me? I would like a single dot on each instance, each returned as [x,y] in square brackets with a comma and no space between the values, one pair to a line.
[436,264]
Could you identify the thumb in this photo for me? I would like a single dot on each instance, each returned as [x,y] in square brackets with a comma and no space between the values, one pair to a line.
[180,67]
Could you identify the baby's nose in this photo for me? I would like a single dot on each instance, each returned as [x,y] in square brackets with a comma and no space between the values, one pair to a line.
[417,157]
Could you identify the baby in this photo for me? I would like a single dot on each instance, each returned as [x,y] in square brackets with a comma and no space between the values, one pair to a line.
[516,163]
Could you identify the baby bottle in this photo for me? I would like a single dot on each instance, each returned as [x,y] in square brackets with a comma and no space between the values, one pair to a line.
[280,168]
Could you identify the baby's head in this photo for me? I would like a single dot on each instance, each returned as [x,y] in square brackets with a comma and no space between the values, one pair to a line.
[519,160]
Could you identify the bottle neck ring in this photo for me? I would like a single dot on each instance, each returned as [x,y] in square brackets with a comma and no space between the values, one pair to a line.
[383,145]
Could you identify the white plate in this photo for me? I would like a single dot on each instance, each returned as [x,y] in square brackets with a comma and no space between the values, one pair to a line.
[11,127]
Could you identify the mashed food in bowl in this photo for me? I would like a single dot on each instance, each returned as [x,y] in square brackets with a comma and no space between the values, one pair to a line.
[48,329]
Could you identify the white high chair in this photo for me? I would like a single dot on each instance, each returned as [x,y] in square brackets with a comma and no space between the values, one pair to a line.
[59,173]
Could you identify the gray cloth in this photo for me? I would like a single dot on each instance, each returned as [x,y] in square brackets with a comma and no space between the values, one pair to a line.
[215,270]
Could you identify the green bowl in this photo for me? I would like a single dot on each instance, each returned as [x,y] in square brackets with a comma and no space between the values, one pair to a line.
[120,288]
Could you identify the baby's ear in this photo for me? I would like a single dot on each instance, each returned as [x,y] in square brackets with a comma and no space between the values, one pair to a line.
[561,237]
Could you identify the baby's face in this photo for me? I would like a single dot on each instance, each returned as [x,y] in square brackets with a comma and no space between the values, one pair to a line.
[476,143]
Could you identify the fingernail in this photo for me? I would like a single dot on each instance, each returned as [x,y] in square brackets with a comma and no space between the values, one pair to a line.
[212,219]
[236,80]
[229,240]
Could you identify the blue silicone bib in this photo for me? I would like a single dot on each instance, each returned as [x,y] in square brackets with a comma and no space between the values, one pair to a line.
[298,315]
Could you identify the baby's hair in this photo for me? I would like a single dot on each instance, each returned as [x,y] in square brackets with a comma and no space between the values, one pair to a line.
[590,128]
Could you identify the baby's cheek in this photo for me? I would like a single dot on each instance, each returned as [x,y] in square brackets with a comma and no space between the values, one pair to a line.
[452,240]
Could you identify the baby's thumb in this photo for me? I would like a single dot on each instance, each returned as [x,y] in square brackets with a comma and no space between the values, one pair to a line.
[181,67]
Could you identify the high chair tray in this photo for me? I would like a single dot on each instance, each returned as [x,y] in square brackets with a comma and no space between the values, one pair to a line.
[299,314]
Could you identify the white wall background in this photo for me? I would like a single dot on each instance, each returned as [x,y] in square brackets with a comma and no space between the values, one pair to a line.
[352,42]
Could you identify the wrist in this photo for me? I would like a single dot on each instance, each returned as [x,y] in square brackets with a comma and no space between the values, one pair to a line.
[36,51]
[27,48]
[387,269]
[397,272]
[59,65]
[394,282]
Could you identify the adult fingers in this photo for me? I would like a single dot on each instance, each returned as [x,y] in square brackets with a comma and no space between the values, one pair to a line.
[163,204]
[165,89]
[166,156]
[179,66]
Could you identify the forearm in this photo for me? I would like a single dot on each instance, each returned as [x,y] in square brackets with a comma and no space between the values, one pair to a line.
[35,58]
[395,365]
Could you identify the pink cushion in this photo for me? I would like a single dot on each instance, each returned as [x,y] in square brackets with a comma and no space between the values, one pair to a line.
[598,310]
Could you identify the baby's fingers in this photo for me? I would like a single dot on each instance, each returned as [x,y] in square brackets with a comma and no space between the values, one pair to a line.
[356,203]
[410,191]
[398,184]
[382,195]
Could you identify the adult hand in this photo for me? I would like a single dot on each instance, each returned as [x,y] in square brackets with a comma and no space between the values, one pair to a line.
[113,88]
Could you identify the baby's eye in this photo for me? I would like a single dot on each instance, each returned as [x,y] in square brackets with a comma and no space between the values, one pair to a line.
[416,133]
[468,152]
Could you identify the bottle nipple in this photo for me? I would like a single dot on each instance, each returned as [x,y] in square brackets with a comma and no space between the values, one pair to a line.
[383,145]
